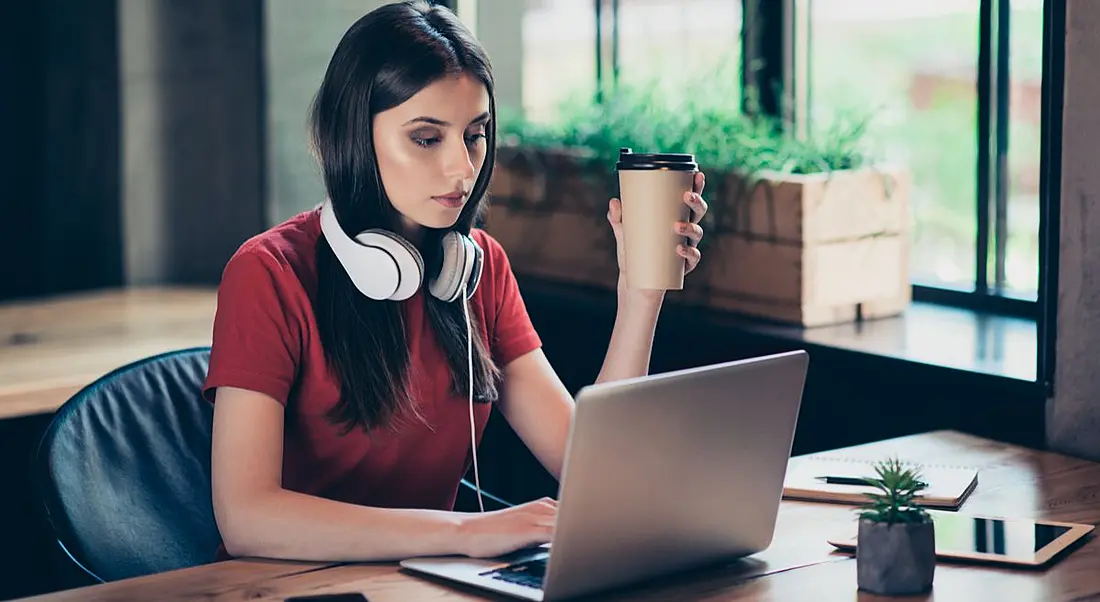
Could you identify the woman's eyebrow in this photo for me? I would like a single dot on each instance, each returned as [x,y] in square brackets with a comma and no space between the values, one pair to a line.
[434,121]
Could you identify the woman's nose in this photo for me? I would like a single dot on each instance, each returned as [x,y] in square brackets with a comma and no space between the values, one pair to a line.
[459,163]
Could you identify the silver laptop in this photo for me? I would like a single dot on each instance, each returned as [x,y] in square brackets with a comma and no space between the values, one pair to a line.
[663,473]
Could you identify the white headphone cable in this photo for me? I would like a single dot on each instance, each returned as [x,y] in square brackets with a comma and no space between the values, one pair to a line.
[470,374]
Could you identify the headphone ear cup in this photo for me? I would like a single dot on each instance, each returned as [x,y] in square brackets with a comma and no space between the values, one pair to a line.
[373,270]
[410,265]
[474,278]
[456,264]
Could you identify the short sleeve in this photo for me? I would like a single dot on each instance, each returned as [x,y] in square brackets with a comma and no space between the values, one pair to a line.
[256,342]
[513,333]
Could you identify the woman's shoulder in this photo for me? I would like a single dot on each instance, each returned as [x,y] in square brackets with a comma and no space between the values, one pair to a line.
[262,319]
[284,253]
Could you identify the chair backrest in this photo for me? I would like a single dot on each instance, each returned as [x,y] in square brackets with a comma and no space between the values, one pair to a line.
[124,469]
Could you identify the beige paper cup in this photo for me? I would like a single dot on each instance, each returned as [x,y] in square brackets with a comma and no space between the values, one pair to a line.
[651,188]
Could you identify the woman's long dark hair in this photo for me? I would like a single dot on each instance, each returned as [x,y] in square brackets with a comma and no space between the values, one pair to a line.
[384,59]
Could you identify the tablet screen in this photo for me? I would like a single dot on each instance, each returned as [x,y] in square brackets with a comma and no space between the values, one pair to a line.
[1016,539]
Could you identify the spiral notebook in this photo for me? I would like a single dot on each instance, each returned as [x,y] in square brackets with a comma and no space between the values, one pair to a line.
[948,485]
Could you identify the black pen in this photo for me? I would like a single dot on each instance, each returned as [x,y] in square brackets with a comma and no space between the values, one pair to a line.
[831,480]
[843,480]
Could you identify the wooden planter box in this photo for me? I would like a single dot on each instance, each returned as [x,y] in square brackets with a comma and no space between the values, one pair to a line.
[549,212]
[810,250]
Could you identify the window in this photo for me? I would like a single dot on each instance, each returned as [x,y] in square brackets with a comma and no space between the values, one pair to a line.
[672,42]
[559,54]
[912,69]
[669,43]
[1025,85]
[952,88]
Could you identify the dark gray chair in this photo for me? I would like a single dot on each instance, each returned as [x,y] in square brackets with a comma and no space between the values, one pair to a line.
[123,470]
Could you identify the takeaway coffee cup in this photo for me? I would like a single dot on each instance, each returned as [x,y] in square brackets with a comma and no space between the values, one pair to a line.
[651,188]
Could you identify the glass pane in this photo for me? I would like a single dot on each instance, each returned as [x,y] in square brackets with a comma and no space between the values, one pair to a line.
[559,54]
[1025,74]
[911,67]
[675,42]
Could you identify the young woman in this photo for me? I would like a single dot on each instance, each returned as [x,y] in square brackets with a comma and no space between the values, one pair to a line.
[342,377]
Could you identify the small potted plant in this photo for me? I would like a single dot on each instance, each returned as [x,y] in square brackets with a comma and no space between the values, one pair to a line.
[896,547]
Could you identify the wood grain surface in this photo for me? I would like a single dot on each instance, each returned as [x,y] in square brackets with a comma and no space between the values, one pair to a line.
[1013,481]
[51,348]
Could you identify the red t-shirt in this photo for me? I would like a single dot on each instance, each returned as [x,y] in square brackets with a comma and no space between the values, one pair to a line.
[265,339]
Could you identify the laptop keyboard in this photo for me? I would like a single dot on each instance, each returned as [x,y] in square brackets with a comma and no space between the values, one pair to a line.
[528,573]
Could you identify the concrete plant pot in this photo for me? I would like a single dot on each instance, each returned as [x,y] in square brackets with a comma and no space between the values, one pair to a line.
[895,559]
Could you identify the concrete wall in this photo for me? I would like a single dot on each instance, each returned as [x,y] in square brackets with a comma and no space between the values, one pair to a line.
[192,137]
[1073,415]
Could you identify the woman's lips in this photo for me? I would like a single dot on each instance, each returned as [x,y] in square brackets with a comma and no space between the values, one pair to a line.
[453,200]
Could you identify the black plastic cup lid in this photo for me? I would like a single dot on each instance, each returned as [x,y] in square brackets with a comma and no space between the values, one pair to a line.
[628,159]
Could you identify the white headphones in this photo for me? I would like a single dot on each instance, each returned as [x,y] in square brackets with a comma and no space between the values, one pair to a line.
[384,266]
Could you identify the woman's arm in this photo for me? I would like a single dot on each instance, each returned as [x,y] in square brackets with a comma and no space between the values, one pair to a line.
[539,407]
[631,343]
[636,319]
[257,517]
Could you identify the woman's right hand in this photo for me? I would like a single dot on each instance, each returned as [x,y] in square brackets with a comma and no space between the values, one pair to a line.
[489,534]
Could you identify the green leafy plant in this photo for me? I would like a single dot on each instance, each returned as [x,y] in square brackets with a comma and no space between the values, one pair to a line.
[707,121]
[701,115]
[895,500]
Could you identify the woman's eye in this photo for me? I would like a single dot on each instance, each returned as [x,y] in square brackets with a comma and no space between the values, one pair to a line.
[425,141]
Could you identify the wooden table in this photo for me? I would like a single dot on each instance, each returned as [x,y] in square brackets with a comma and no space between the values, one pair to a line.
[50,348]
[1013,481]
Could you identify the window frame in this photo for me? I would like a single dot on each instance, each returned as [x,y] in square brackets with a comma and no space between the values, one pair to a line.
[1050,186]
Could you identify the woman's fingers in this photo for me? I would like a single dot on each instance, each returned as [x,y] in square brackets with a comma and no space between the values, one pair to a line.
[697,204]
[615,211]
[693,231]
[699,182]
[691,254]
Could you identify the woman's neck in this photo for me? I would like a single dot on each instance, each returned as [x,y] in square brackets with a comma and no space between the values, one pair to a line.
[412,231]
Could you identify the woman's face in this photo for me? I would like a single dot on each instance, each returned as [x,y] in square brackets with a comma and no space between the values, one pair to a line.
[431,149]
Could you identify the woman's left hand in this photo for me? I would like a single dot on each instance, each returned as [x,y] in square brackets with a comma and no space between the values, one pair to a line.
[690,229]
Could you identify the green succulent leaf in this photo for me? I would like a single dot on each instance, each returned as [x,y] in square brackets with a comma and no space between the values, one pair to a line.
[895,501]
